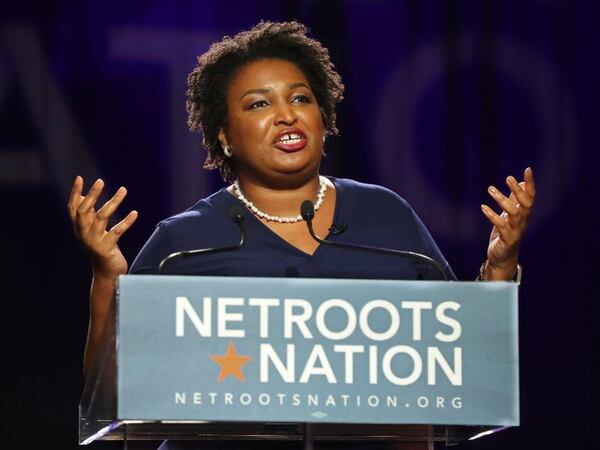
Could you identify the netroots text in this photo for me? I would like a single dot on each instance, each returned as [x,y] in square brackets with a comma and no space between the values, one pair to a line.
[224,317]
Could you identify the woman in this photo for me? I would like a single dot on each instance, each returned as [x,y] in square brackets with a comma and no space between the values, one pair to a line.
[265,102]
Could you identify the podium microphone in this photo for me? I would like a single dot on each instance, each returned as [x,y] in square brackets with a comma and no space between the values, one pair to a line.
[307,211]
[237,216]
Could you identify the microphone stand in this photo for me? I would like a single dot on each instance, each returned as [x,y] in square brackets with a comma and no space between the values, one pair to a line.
[307,211]
[237,217]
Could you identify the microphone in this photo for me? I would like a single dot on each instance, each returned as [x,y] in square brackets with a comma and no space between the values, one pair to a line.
[237,216]
[338,229]
[307,211]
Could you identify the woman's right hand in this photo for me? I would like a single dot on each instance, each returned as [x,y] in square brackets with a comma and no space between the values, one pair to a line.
[90,227]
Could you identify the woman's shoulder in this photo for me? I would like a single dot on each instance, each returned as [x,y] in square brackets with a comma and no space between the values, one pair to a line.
[368,193]
[205,224]
[211,209]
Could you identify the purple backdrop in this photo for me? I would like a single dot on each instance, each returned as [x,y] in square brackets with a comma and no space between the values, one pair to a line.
[443,98]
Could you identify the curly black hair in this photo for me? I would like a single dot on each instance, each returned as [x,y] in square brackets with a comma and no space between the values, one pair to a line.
[208,82]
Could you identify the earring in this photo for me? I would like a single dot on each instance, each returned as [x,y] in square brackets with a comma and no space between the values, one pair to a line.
[323,151]
[228,151]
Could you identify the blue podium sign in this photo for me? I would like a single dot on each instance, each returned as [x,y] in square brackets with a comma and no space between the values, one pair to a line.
[317,350]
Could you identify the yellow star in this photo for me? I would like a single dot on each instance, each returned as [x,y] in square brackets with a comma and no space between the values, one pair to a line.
[231,363]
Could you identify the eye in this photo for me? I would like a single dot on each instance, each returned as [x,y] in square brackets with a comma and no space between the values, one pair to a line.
[258,104]
[301,99]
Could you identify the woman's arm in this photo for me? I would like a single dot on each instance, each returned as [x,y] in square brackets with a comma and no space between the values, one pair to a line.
[90,228]
[508,227]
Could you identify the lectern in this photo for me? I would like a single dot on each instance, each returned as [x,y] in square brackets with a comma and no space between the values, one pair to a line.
[233,358]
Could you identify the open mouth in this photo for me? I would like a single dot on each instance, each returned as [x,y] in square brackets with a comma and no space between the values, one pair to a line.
[291,140]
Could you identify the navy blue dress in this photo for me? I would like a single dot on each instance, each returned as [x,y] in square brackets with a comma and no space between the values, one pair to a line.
[368,215]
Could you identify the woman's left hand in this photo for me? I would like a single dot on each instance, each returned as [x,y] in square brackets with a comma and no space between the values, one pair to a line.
[509,226]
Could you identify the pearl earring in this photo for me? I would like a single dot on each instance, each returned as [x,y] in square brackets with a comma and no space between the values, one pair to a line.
[228,151]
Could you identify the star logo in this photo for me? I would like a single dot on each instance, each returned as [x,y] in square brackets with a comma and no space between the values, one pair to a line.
[231,363]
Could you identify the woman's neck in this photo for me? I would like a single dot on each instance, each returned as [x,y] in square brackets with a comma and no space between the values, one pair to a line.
[280,200]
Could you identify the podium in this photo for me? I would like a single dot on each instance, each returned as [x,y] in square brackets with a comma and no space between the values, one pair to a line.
[293,359]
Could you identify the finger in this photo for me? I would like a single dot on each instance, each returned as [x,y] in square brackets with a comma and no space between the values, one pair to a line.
[504,202]
[107,210]
[519,192]
[529,182]
[75,197]
[498,221]
[88,202]
[119,229]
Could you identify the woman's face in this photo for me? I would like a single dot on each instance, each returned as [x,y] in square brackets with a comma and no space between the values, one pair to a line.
[274,123]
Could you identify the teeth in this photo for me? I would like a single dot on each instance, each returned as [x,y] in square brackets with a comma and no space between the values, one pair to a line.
[292,138]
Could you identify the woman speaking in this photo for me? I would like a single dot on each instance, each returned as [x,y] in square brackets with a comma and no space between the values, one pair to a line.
[265,102]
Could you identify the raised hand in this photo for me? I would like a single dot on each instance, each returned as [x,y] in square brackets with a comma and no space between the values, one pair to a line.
[508,226]
[90,227]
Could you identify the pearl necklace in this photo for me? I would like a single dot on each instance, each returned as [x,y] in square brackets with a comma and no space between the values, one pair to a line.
[263,215]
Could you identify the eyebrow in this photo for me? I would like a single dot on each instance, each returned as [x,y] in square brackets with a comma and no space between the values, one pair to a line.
[267,90]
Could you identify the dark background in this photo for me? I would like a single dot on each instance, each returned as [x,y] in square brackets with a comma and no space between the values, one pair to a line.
[443,99]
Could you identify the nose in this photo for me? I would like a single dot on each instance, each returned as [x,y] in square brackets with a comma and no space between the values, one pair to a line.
[284,114]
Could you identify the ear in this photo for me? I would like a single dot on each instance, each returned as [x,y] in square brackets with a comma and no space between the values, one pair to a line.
[223,138]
